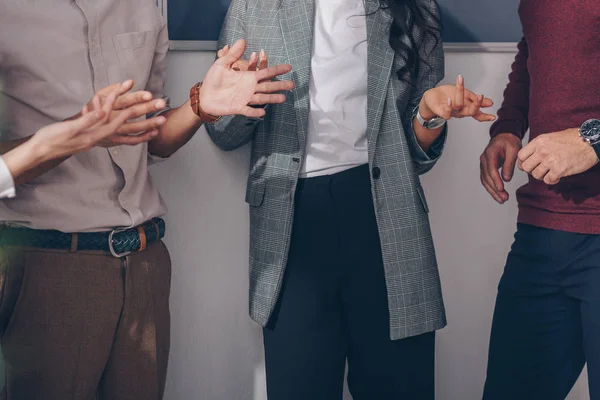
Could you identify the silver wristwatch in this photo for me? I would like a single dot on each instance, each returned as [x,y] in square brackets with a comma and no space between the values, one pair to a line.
[433,123]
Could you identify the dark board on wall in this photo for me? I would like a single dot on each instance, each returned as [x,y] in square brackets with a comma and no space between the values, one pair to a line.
[466,21]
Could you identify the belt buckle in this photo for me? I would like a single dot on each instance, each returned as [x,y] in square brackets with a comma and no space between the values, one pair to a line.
[111,247]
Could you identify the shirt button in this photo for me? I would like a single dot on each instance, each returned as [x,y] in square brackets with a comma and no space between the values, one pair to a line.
[115,152]
[94,43]
[376,173]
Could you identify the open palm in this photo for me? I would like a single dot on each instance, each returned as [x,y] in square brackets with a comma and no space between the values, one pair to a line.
[226,91]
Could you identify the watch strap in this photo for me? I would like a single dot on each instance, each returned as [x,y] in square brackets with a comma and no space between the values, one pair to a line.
[195,104]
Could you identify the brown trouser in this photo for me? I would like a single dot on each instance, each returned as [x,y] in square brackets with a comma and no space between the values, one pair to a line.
[84,325]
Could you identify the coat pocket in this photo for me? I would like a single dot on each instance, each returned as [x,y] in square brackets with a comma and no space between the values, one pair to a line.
[255,193]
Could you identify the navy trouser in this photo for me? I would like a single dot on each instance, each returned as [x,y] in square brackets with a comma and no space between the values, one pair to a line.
[547,319]
[333,306]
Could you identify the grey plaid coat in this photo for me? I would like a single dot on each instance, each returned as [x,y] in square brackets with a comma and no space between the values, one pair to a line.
[284,29]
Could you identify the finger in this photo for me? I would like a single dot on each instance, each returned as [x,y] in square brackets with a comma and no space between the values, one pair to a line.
[146,108]
[132,128]
[508,167]
[85,121]
[234,53]
[223,51]
[540,172]
[260,99]
[483,117]
[85,110]
[131,99]
[263,60]
[459,94]
[474,106]
[251,112]
[472,97]
[551,179]
[273,72]
[531,163]
[490,190]
[527,151]
[125,87]
[274,86]
[492,162]
[133,140]
[96,103]
[253,62]
[444,111]
[487,103]
[106,109]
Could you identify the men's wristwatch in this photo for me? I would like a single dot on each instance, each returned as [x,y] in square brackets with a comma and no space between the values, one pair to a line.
[195,103]
[433,123]
[590,132]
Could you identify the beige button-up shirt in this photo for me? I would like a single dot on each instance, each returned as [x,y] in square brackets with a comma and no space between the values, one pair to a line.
[55,55]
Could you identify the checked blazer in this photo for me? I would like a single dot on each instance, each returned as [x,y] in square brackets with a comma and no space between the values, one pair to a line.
[284,28]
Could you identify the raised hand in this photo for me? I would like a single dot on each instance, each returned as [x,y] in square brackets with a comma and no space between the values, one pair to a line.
[454,101]
[137,129]
[231,88]
[91,129]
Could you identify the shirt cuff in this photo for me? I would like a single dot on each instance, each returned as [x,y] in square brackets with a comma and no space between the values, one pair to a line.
[7,184]
[164,110]
[513,126]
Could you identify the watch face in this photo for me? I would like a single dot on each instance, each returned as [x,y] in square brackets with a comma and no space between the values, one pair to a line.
[436,123]
[590,130]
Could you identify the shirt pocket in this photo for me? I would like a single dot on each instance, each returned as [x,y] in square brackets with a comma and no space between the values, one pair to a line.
[136,54]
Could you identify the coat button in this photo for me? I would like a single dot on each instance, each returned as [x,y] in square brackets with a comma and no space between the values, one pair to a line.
[376,173]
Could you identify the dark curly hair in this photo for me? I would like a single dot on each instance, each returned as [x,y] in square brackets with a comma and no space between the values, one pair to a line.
[417,22]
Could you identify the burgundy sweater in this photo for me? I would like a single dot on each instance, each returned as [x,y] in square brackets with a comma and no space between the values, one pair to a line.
[554,86]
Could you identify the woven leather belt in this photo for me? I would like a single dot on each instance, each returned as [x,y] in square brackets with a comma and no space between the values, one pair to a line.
[119,242]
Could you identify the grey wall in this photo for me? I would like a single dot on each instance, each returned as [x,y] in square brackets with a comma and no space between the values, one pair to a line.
[216,349]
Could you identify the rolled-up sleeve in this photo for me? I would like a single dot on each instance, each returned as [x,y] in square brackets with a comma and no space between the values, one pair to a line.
[7,184]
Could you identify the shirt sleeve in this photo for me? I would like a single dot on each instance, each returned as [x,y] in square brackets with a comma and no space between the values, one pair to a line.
[7,184]
[513,116]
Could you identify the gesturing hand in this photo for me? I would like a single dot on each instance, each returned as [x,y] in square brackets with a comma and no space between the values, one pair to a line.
[501,152]
[227,91]
[454,101]
[137,129]
[553,156]
[66,138]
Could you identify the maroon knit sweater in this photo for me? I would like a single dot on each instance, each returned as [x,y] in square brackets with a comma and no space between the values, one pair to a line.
[554,86]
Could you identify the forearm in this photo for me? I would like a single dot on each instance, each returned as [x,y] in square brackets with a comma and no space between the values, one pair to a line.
[26,159]
[180,127]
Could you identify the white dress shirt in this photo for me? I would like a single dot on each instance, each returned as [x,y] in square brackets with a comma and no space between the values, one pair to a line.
[337,123]
[7,184]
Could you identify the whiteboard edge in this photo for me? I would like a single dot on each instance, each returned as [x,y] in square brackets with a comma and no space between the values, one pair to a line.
[491,47]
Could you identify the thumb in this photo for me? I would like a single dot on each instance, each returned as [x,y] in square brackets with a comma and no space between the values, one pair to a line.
[510,160]
[234,54]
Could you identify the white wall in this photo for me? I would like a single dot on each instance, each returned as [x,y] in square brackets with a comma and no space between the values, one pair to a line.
[216,351]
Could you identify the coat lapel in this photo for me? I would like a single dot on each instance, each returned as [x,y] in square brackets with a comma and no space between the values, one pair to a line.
[297,26]
[380,62]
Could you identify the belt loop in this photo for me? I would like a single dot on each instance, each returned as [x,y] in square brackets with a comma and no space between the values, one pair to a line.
[142,234]
[74,241]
